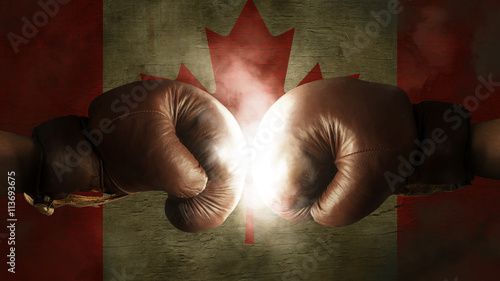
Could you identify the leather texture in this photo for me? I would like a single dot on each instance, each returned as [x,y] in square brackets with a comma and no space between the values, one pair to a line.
[153,135]
[333,150]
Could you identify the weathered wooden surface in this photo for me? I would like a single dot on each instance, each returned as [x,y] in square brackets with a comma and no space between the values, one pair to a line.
[154,38]
[140,242]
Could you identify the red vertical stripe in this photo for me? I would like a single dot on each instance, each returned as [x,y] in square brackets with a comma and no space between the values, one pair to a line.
[454,236]
[249,230]
[56,71]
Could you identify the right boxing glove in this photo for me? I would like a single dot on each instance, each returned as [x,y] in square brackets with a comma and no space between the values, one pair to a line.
[153,135]
[335,149]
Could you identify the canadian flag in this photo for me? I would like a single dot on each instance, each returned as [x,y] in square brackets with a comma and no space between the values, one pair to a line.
[58,55]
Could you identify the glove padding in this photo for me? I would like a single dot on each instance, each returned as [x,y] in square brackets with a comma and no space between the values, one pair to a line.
[332,150]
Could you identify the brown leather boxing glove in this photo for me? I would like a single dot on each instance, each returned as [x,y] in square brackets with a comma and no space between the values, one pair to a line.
[335,149]
[151,135]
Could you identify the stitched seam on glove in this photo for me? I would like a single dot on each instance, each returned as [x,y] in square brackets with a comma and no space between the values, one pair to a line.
[367,150]
[136,112]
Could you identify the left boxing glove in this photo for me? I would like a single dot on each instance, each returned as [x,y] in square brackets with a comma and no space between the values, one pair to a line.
[151,135]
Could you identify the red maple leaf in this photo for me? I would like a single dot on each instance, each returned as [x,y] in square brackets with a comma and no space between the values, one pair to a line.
[250,68]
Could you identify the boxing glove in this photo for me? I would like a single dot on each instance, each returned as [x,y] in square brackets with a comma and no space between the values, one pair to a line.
[333,150]
[154,135]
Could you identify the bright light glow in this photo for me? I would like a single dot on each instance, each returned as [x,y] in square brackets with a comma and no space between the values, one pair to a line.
[268,175]
[231,150]
[270,166]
